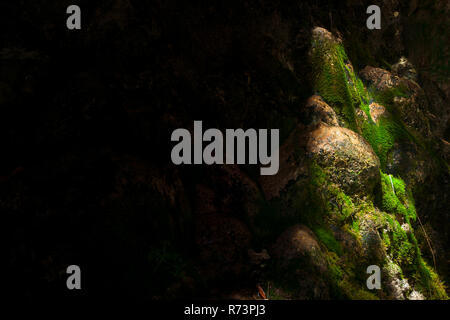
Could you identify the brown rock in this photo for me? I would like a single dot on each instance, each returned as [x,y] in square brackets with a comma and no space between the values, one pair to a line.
[323,35]
[381,79]
[316,110]
[349,160]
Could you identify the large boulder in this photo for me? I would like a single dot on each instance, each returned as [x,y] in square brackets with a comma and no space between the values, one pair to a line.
[347,158]
[292,158]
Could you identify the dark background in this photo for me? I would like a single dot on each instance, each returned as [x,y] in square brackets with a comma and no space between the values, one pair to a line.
[86,117]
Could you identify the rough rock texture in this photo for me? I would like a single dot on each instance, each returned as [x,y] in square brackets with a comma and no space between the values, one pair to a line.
[381,79]
[324,36]
[347,157]
[371,240]
[415,295]
[316,110]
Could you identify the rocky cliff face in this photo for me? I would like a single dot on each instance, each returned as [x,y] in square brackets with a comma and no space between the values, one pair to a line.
[364,149]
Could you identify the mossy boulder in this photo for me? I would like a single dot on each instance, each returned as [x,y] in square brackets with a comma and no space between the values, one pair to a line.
[348,159]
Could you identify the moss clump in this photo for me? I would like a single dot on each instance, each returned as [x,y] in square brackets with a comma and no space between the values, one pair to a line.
[396,199]
[330,78]
[429,282]
[382,136]
[327,238]
[345,205]
[303,201]
[343,283]
[386,96]
[402,246]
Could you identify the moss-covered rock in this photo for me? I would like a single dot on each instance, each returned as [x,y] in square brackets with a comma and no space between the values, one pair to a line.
[346,156]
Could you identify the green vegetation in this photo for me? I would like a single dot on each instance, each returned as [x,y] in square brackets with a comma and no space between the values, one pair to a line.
[403,246]
[330,79]
[335,80]
[327,238]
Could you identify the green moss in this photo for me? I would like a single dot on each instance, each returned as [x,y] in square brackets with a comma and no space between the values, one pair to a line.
[343,283]
[403,247]
[382,136]
[340,87]
[354,292]
[386,96]
[345,205]
[429,282]
[394,198]
[335,271]
[337,83]
[355,226]
[326,237]
[386,240]
[330,78]
[303,201]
